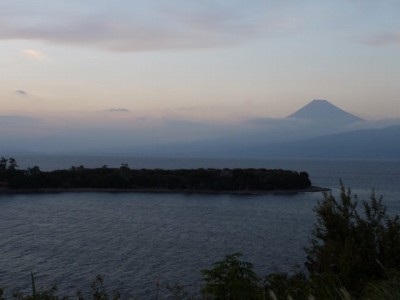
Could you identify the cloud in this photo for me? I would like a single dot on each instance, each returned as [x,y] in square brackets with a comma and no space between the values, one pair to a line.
[132,26]
[117,110]
[35,54]
[21,92]
[383,39]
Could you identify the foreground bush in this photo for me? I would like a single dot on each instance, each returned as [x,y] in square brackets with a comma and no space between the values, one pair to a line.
[98,292]
[388,289]
[231,279]
[352,246]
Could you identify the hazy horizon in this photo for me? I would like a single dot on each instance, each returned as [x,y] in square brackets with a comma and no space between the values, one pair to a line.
[99,72]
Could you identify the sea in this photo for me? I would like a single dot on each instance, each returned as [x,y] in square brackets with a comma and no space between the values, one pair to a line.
[146,244]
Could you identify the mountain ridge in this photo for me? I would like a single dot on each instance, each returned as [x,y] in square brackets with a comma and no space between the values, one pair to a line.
[323,110]
[382,143]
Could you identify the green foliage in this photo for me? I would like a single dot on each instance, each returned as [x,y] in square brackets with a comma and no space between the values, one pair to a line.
[350,247]
[178,292]
[231,279]
[388,289]
[99,292]
[8,164]
[285,285]
[39,295]
[156,179]
[8,168]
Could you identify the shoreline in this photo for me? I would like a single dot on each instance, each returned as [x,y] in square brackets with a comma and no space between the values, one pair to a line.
[312,189]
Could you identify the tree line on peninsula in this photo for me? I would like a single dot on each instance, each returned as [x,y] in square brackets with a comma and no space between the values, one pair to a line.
[219,180]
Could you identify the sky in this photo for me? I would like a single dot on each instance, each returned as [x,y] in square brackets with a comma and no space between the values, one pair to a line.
[123,64]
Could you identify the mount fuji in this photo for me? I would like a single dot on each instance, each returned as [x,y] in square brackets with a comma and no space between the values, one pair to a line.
[324,111]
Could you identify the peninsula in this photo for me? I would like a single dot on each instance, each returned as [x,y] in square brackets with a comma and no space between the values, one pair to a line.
[125,179]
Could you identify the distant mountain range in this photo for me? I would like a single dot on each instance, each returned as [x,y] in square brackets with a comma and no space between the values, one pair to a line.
[383,143]
[363,144]
[317,130]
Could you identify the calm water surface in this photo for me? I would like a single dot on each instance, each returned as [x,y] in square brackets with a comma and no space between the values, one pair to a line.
[136,239]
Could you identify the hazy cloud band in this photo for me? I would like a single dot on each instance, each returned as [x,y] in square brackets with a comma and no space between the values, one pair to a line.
[130,27]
